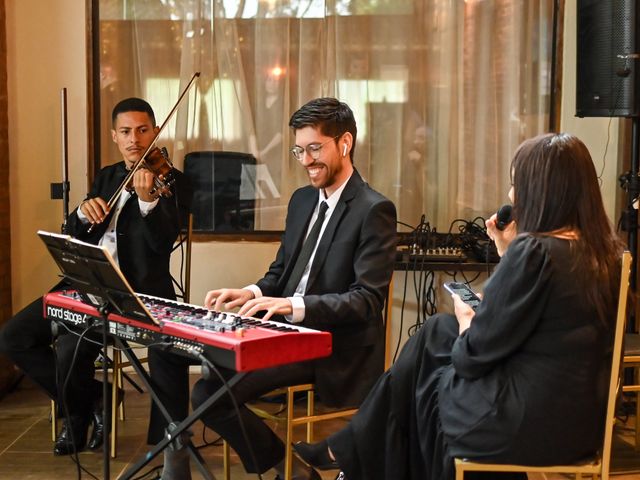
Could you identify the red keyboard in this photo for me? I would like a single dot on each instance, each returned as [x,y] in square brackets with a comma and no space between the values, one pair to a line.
[226,339]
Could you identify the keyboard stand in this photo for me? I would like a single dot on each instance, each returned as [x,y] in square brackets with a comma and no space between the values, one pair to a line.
[92,271]
[179,426]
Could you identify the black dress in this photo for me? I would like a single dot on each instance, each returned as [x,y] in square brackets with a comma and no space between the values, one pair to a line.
[526,383]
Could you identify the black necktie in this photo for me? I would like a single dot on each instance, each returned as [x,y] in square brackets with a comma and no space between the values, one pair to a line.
[305,253]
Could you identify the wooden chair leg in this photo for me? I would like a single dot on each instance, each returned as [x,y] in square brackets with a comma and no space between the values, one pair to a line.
[290,421]
[637,375]
[116,382]
[226,461]
[459,474]
[54,421]
[310,412]
[288,453]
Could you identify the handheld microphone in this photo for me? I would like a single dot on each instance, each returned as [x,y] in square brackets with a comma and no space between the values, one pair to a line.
[504,217]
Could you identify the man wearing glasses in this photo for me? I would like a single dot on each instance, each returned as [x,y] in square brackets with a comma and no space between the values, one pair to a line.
[331,273]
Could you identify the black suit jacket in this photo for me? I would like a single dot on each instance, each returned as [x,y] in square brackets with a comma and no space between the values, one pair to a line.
[144,243]
[347,284]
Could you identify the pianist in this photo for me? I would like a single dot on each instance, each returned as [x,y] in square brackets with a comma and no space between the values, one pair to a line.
[139,232]
[338,284]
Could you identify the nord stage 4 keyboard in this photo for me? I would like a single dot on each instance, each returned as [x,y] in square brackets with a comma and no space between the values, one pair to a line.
[226,339]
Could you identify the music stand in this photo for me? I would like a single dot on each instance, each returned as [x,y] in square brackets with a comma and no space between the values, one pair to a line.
[91,270]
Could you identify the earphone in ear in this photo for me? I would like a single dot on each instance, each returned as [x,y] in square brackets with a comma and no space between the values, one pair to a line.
[344,150]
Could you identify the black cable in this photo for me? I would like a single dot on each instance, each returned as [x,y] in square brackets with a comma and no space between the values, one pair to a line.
[74,455]
[463,236]
[429,294]
[154,470]
[424,295]
[606,148]
[405,225]
[467,281]
[205,442]
[63,402]
[181,240]
[417,284]
[404,298]
[611,115]
[114,347]
[204,359]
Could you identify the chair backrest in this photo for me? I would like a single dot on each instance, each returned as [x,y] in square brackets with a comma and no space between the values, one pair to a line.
[614,381]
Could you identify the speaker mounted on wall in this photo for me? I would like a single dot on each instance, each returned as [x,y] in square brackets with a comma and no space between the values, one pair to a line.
[608,58]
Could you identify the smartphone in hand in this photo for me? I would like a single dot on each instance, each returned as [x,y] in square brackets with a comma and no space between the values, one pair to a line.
[464,292]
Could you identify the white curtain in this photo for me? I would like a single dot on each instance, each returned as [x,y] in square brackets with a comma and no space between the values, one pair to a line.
[443,90]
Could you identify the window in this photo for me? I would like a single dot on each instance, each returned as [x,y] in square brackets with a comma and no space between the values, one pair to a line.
[443,91]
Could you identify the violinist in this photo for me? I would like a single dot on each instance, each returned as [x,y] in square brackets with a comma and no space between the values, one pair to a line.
[139,230]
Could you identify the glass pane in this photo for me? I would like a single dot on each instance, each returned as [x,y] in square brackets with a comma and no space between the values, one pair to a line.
[442,91]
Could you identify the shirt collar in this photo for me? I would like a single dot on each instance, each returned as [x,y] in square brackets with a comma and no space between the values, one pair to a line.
[333,199]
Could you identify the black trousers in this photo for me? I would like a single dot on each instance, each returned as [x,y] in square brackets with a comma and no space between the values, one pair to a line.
[257,440]
[169,374]
[170,377]
[28,341]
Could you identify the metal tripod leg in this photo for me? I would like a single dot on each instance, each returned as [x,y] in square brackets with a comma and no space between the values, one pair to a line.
[178,427]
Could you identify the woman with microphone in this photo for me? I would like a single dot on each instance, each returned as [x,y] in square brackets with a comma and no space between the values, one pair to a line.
[499,384]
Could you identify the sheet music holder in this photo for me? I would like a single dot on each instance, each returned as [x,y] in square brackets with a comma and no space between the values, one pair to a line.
[93,273]
[90,269]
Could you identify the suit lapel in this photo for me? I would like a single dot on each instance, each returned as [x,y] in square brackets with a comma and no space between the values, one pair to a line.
[350,191]
[114,181]
[297,230]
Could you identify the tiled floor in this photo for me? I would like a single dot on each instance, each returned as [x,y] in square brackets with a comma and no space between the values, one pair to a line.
[25,443]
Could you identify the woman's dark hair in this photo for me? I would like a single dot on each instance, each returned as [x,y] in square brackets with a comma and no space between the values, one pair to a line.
[556,190]
[330,115]
[132,104]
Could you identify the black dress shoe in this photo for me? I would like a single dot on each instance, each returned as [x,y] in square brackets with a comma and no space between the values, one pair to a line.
[101,427]
[98,430]
[316,454]
[72,437]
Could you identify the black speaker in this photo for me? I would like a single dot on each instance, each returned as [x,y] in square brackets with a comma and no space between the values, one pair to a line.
[607,78]
[223,191]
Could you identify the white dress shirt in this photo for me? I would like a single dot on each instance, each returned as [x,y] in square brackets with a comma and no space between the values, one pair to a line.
[296,300]
[109,239]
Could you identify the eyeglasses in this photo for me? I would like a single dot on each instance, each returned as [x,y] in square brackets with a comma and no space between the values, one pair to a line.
[313,149]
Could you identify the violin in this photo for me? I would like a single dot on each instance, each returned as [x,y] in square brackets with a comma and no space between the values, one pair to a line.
[157,162]
[154,160]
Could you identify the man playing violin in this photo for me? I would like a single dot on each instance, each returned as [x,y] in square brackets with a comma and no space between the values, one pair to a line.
[139,230]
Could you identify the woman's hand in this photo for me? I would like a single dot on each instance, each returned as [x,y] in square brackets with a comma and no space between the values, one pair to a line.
[502,238]
[464,313]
